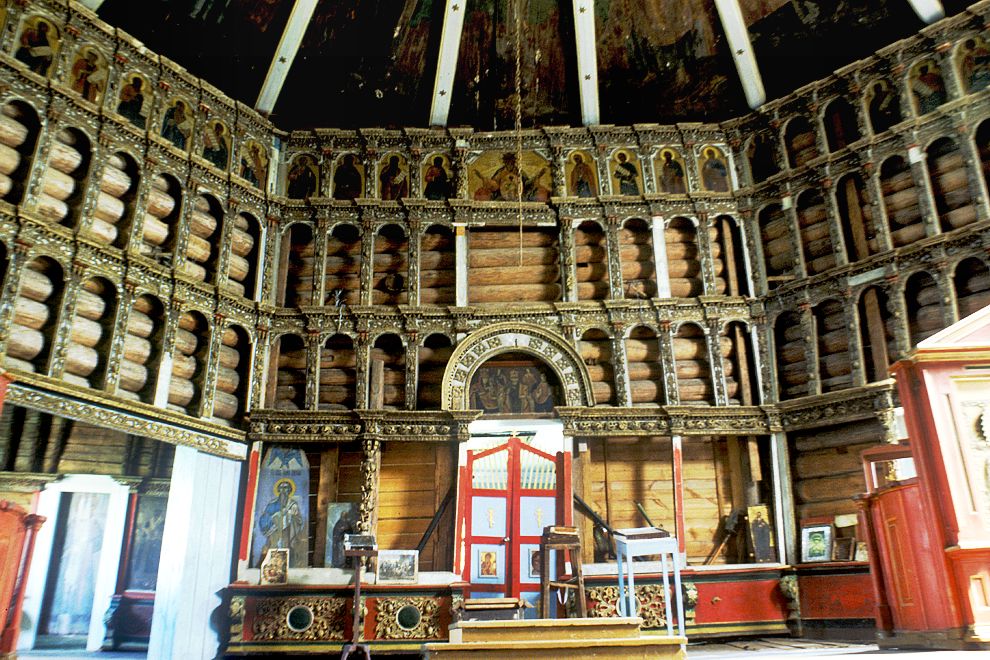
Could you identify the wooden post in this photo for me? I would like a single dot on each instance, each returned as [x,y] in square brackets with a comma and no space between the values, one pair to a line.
[329,460]
[376,384]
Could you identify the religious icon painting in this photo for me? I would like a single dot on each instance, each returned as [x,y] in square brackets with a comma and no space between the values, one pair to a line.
[816,542]
[393,177]
[216,144]
[398,566]
[927,86]
[342,519]
[348,177]
[281,510]
[303,178]
[37,44]
[88,74]
[177,123]
[582,179]
[670,172]
[254,163]
[275,567]
[973,60]
[132,103]
[883,105]
[625,173]
[438,179]
[714,170]
[761,534]
[497,176]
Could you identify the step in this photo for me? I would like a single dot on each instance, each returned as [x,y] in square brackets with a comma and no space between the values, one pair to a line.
[470,632]
[639,648]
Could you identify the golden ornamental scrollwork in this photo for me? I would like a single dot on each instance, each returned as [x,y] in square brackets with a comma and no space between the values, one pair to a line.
[387,625]
[270,623]
[650,604]
[236,614]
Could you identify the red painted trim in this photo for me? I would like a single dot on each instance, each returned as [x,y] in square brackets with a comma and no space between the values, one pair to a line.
[680,524]
[836,596]
[5,380]
[249,498]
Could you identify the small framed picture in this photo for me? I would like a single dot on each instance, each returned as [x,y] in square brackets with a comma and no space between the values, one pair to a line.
[398,566]
[843,549]
[862,552]
[816,542]
[761,534]
[275,567]
[534,564]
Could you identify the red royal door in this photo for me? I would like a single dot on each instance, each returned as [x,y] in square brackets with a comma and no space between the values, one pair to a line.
[508,494]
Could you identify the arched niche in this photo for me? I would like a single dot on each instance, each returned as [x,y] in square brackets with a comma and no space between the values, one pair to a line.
[437,271]
[596,351]
[800,140]
[729,257]
[298,263]
[245,252]
[591,261]
[515,383]
[20,126]
[901,199]
[738,365]
[338,373]
[36,315]
[233,375]
[972,285]
[924,307]
[950,184]
[840,124]
[762,158]
[876,331]
[114,210]
[645,371]
[433,357]
[143,342]
[816,239]
[524,338]
[92,329]
[342,274]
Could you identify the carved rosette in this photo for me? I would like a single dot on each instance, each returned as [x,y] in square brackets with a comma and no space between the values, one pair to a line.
[387,622]
[270,622]
[650,604]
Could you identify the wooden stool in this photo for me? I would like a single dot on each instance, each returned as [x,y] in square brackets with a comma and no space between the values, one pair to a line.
[564,539]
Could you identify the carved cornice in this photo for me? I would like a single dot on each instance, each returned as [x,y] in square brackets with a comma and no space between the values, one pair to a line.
[838,407]
[348,426]
[665,420]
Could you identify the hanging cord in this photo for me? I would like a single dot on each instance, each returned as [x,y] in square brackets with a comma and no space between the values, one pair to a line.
[518,124]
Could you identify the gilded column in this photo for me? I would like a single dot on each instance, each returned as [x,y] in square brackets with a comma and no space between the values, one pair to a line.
[320,294]
[412,276]
[615,284]
[367,261]
[93,182]
[371,463]
[223,258]
[855,349]
[269,283]
[713,329]
[794,225]
[671,395]
[168,349]
[567,263]
[703,235]
[212,366]
[63,329]
[620,367]
[974,171]
[810,338]
[183,228]
[362,352]
[259,366]
[314,345]
[881,223]
[835,234]
[115,354]
[923,181]
[898,316]
[412,369]
[8,296]
[947,293]
[558,163]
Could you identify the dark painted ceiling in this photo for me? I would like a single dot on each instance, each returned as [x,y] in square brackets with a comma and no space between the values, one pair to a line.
[370,63]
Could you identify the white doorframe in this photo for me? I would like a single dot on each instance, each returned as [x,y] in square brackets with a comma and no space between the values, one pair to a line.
[106,575]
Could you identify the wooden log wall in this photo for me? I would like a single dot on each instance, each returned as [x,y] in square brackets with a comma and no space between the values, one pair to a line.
[645,370]
[298,266]
[624,471]
[142,350]
[36,310]
[114,202]
[192,344]
[338,374]
[290,377]
[201,248]
[834,360]
[738,365]
[856,215]
[161,221]
[389,349]
[391,267]
[92,328]
[950,185]
[501,271]
[924,307]
[595,348]
[840,124]
[683,262]
[816,239]
[727,258]
[437,267]
[902,199]
[694,374]
[972,285]
[232,374]
[245,237]
[636,257]
[591,261]
[343,268]
[778,246]
[801,147]
[18,137]
[792,357]
[433,358]
[64,180]
[878,337]
[826,467]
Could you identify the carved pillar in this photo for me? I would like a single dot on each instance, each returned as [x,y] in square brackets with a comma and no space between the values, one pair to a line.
[370,174]
[620,368]
[326,174]
[974,172]
[212,366]
[92,183]
[314,346]
[704,239]
[135,236]
[412,276]
[223,258]
[115,353]
[649,178]
[43,150]
[860,106]
[460,265]
[923,181]
[713,329]
[568,274]
[881,223]
[362,352]
[558,161]
[183,226]
[832,196]
[412,371]
[794,227]
[460,173]
[671,395]
[367,262]
[818,126]
[168,349]
[855,350]
[16,260]
[760,335]
[810,338]
[615,285]
[320,294]
[898,316]
[903,85]
[259,365]
[63,327]
[603,173]
[947,293]
[371,463]
[950,73]
[269,283]
[660,265]
[416,173]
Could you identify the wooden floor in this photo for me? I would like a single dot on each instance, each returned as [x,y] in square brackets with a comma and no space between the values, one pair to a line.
[808,648]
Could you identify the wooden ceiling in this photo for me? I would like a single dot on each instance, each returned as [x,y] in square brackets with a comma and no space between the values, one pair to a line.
[373,63]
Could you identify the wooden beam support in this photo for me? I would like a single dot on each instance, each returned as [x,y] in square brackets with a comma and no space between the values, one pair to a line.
[288,46]
[928,10]
[742,51]
[587,60]
[450,46]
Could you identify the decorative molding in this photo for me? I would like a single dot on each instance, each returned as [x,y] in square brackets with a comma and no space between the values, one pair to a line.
[270,618]
[387,623]
[650,604]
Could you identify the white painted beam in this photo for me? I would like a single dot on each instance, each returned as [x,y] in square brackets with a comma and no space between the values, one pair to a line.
[587,60]
[928,10]
[450,46]
[742,51]
[288,46]
[91,4]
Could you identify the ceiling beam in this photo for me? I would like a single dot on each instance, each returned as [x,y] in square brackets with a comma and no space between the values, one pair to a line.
[587,60]
[742,51]
[928,10]
[450,46]
[288,46]
[91,4]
